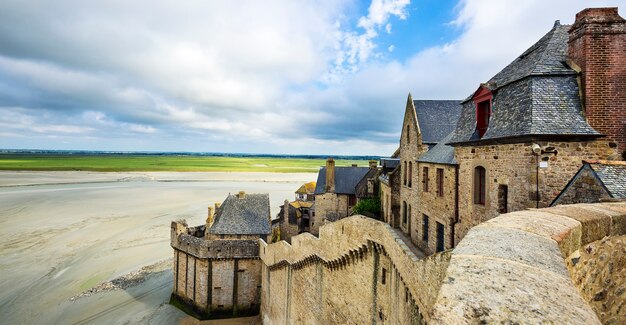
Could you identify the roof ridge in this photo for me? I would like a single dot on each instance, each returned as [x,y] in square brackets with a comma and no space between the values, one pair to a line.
[605,162]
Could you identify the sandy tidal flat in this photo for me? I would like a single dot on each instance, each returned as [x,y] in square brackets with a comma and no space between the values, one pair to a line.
[62,233]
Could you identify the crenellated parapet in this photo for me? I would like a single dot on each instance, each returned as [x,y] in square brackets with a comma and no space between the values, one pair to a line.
[212,249]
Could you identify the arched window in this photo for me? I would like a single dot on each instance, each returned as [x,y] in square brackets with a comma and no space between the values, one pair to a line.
[404,173]
[479,185]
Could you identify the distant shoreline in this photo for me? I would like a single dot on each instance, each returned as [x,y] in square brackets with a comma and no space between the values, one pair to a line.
[166,162]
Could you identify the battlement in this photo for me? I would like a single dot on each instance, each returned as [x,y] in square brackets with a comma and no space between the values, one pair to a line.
[183,240]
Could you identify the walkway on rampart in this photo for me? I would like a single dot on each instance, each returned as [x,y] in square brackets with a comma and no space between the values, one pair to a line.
[405,242]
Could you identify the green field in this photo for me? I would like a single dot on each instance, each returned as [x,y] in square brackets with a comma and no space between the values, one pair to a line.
[117,163]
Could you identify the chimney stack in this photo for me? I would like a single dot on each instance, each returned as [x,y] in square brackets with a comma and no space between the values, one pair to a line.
[373,164]
[241,195]
[330,176]
[209,219]
[597,48]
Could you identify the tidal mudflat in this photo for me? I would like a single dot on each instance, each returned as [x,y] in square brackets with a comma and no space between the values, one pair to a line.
[64,233]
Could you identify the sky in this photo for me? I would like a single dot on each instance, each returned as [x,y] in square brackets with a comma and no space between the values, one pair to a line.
[327,77]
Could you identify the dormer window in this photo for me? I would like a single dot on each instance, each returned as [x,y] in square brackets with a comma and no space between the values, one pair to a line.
[483,113]
[482,100]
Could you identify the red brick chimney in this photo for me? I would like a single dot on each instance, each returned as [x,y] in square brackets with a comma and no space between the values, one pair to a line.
[597,45]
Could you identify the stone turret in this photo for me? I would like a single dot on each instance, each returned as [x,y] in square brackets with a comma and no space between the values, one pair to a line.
[597,48]
[330,175]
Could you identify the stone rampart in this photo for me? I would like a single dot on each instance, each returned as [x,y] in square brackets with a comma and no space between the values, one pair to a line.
[214,249]
[560,265]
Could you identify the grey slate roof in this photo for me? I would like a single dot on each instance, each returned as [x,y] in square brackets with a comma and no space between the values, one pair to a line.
[346,179]
[441,153]
[389,163]
[247,216]
[535,95]
[436,118]
[613,176]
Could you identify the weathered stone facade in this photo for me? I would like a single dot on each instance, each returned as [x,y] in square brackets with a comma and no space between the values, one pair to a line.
[356,272]
[390,198]
[215,278]
[411,147]
[329,207]
[435,217]
[516,167]
[585,188]
[338,277]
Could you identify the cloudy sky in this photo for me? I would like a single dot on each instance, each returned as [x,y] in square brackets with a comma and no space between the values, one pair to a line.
[293,77]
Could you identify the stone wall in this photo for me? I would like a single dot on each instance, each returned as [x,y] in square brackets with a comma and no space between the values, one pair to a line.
[512,269]
[328,207]
[439,209]
[215,278]
[338,277]
[411,147]
[585,188]
[515,166]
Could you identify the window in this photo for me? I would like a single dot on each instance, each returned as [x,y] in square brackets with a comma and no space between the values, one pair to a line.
[383,278]
[483,112]
[479,185]
[440,237]
[410,173]
[425,178]
[408,134]
[425,228]
[404,212]
[352,200]
[503,198]
[439,181]
[404,173]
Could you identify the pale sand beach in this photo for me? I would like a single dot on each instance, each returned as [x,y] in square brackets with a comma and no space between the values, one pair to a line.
[64,233]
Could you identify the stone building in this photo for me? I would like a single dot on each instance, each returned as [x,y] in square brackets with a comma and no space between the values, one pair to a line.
[426,124]
[217,271]
[524,133]
[338,189]
[294,218]
[306,192]
[389,182]
[596,181]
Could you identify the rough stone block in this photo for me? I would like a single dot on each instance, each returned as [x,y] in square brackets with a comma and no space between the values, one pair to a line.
[596,224]
[487,290]
[513,245]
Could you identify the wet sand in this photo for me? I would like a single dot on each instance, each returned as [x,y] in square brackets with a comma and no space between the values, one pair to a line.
[63,233]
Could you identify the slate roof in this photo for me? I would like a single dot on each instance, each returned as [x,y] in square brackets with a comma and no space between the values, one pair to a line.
[436,118]
[389,163]
[535,95]
[246,216]
[613,175]
[441,153]
[346,179]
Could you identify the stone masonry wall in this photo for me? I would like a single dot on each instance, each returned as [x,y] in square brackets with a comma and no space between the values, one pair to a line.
[338,277]
[439,209]
[515,166]
[215,278]
[328,207]
[586,188]
[512,269]
[411,147]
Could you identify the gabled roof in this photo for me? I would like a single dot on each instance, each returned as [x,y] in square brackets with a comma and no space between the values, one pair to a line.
[613,176]
[389,163]
[440,154]
[436,118]
[307,188]
[536,95]
[346,179]
[249,215]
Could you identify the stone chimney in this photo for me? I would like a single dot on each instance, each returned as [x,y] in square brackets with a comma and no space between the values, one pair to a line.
[209,219]
[330,176]
[373,164]
[241,195]
[286,211]
[597,47]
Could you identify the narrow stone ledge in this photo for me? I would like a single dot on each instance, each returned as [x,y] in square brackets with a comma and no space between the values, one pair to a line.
[596,223]
[487,290]
[514,245]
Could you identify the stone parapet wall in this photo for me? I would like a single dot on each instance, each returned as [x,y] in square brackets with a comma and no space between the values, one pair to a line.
[512,269]
[215,249]
[345,268]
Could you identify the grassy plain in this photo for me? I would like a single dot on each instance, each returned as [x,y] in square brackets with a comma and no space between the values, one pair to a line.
[127,163]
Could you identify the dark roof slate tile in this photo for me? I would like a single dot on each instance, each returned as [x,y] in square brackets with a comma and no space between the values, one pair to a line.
[436,118]
[440,154]
[249,215]
[346,179]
